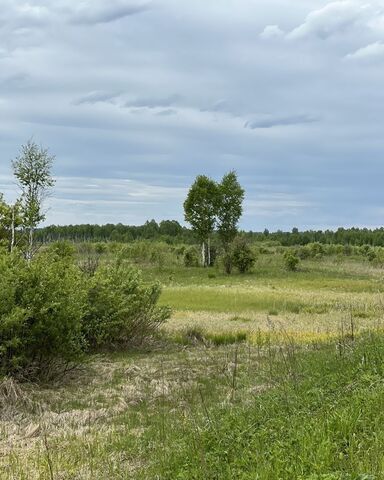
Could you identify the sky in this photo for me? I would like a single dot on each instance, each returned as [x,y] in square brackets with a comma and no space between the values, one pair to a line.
[135,98]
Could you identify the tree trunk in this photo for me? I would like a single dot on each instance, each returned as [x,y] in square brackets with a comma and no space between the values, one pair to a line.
[12,246]
[203,254]
[209,252]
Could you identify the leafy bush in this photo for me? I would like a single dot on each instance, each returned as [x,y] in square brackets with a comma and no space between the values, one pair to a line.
[121,309]
[51,312]
[41,308]
[291,261]
[191,257]
[243,257]
[62,249]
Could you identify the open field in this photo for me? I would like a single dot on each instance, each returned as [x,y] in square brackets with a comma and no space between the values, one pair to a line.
[322,300]
[300,397]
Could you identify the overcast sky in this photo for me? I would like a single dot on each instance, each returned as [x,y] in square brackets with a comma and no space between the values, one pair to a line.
[135,98]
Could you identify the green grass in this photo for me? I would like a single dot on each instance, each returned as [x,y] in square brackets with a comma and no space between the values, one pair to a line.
[226,412]
[321,417]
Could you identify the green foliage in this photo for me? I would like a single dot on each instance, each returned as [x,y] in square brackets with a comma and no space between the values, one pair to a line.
[41,309]
[62,249]
[200,206]
[243,257]
[10,219]
[229,208]
[51,311]
[291,261]
[122,310]
[191,258]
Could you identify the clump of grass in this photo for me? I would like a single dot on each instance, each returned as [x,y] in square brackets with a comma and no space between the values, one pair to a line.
[273,312]
[294,308]
[211,275]
[192,336]
[238,318]
[226,338]
[362,314]
[11,396]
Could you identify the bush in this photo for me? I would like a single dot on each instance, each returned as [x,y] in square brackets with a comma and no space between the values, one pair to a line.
[291,261]
[122,310]
[62,249]
[243,257]
[191,257]
[41,308]
[51,312]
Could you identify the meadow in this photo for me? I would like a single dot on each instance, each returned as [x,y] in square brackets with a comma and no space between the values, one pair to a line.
[266,375]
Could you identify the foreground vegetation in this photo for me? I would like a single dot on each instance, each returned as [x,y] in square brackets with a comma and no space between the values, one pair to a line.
[268,412]
[272,375]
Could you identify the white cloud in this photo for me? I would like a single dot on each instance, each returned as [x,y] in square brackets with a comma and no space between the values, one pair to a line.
[333,18]
[372,51]
[272,31]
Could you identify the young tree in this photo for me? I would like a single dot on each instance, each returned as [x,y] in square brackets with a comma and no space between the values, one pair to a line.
[229,209]
[10,220]
[32,169]
[200,211]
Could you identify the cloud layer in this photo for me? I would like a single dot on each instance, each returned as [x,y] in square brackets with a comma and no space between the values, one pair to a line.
[135,98]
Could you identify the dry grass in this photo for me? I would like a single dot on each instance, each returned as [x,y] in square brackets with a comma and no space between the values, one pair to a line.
[76,425]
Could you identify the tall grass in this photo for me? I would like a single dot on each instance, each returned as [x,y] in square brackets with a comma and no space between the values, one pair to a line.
[321,417]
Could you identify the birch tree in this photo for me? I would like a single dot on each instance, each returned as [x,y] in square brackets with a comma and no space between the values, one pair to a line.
[229,208]
[200,212]
[32,170]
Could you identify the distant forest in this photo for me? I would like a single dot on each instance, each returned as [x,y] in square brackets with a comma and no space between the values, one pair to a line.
[172,232]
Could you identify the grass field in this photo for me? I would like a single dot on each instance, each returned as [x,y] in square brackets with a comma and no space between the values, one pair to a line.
[299,395]
[324,299]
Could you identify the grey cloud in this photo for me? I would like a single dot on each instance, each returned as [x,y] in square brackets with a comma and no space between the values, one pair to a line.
[226,74]
[276,121]
[221,105]
[153,102]
[96,97]
[101,11]
[167,112]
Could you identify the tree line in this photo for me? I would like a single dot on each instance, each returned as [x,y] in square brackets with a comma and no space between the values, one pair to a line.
[172,232]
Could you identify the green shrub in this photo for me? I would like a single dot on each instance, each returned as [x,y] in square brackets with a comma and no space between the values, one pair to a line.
[291,261]
[100,248]
[41,308]
[121,309]
[243,257]
[191,257]
[62,249]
